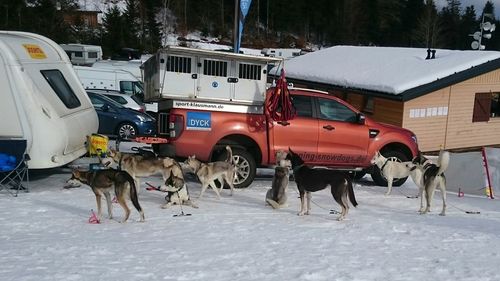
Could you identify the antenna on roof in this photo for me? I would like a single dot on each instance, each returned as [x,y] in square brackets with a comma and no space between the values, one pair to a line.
[479,35]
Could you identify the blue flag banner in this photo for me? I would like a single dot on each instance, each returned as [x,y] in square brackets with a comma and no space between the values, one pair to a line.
[244,8]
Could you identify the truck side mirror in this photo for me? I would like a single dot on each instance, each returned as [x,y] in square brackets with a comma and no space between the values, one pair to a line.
[361,118]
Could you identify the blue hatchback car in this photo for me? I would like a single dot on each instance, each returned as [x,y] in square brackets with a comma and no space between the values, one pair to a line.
[117,120]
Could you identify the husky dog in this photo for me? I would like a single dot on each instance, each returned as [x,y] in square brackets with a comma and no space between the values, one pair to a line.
[103,181]
[177,192]
[391,169]
[433,176]
[209,172]
[314,179]
[276,196]
[142,166]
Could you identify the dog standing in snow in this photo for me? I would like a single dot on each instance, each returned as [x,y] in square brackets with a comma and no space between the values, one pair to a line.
[276,196]
[432,177]
[391,169]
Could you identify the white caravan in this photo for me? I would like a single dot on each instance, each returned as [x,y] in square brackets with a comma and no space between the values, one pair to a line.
[112,79]
[81,54]
[42,100]
[284,53]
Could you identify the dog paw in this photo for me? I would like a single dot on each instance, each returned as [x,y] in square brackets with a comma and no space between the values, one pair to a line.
[300,213]
[442,214]
[166,206]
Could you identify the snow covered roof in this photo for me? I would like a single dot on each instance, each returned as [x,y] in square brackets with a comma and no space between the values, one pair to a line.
[388,70]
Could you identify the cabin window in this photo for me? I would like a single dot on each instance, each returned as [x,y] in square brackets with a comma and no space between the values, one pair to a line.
[368,104]
[495,105]
[249,71]
[61,87]
[333,110]
[215,68]
[486,106]
[179,64]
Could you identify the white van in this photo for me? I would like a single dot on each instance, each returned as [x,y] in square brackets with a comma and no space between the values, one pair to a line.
[112,79]
[131,66]
[42,100]
[82,54]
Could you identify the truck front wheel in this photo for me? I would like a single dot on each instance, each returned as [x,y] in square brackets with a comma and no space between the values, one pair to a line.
[246,168]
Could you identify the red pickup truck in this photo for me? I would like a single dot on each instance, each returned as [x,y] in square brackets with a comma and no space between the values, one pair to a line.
[327,131]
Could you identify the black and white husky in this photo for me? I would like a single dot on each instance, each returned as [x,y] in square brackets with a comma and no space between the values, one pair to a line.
[314,179]
[432,177]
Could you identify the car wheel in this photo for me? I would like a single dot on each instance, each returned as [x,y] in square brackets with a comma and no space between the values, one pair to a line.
[246,168]
[377,176]
[126,131]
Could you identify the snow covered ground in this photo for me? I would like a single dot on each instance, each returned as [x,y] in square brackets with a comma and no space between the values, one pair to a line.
[45,235]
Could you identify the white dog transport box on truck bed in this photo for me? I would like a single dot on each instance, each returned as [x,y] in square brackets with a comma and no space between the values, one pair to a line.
[42,100]
[203,75]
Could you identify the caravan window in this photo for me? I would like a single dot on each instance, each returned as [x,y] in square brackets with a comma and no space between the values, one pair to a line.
[61,87]
[92,55]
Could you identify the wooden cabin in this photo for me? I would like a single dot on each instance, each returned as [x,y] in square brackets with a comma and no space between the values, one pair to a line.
[450,101]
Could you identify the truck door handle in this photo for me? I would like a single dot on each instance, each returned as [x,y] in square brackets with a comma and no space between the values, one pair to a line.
[284,123]
[329,127]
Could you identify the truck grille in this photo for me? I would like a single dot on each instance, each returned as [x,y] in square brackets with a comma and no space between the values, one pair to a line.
[163,124]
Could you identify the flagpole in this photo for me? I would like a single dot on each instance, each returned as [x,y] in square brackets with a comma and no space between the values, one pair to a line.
[236,29]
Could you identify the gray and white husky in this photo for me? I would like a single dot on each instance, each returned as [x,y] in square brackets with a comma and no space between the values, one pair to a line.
[223,171]
[276,196]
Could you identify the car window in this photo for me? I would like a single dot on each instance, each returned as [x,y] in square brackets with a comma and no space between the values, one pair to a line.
[333,110]
[96,102]
[303,105]
[103,99]
[118,99]
[137,99]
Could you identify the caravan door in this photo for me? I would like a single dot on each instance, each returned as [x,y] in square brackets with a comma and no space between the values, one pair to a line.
[215,81]
[179,73]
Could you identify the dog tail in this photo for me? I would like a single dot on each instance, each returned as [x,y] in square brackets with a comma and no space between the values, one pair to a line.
[443,161]
[350,192]
[229,158]
[133,192]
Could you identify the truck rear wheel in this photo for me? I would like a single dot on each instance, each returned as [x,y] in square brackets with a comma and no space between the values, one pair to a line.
[246,168]
[377,176]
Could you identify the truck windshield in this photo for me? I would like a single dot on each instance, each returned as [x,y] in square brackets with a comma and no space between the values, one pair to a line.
[138,90]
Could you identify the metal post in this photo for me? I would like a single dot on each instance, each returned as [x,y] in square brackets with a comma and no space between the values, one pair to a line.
[236,24]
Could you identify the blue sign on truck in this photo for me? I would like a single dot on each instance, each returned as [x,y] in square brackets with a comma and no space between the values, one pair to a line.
[199,121]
